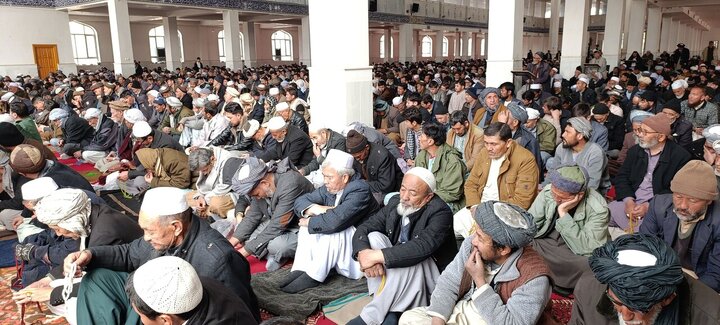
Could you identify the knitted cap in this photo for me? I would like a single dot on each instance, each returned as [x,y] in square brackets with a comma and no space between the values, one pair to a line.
[507,224]
[570,179]
[696,179]
[168,285]
[659,123]
[355,142]
[26,159]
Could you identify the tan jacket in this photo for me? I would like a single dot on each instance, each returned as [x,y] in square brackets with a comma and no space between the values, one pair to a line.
[518,180]
[477,116]
[473,145]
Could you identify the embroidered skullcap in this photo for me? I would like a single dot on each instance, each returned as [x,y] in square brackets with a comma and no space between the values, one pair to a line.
[535,86]
[168,285]
[339,159]
[247,177]
[397,100]
[570,179]
[67,208]
[163,201]
[637,115]
[134,115]
[141,129]
[508,225]
[584,79]
[26,159]
[38,188]
[425,175]
[57,114]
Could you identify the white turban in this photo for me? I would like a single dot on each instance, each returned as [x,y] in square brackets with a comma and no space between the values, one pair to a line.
[67,208]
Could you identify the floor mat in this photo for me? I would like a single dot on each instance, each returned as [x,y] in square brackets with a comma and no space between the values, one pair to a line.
[117,201]
[9,312]
[300,306]
[85,169]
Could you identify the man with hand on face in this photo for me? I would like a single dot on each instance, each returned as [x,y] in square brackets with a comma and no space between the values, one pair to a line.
[496,278]
[323,140]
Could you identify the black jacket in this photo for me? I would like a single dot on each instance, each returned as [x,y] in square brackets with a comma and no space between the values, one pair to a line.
[335,141]
[588,97]
[616,131]
[210,254]
[219,307]
[105,137]
[672,158]
[682,132]
[77,130]
[382,171]
[258,113]
[431,234]
[296,146]
[297,119]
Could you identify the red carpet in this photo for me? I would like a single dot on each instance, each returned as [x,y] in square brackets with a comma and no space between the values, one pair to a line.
[86,169]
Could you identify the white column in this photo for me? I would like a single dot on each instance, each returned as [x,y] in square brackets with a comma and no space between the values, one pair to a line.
[123,61]
[554,26]
[172,43]
[626,28]
[386,46]
[531,8]
[407,44]
[665,34]
[231,26]
[457,52]
[505,31]
[248,30]
[304,39]
[637,25]
[673,35]
[342,88]
[652,36]
[467,36]
[438,45]
[575,35]
[487,42]
[614,20]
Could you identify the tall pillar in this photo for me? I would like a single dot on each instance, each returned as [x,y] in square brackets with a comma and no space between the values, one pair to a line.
[249,50]
[626,28]
[386,45]
[438,45]
[665,34]
[673,35]
[613,31]
[468,42]
[172,43]
[120,37]
[531,8]
[487,41]
[637,25]
[342,84]
[407,46]
[304,36]
[457,52]
[231,26]
[505,27]
[575,35]
[554,25]
[652,36]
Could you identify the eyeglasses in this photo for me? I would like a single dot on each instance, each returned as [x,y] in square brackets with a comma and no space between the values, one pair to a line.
[641,131]
[618,304]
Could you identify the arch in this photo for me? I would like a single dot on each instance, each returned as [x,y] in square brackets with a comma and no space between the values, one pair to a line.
[221,45]
[426,48]
[282,46]
[445,46]
[157,41]
[382,47]
[84,43]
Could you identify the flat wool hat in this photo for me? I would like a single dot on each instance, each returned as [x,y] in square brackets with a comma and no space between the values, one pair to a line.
[169,285]
[163,201]
[38,188]
[119,105]
[26,159]
[695,179]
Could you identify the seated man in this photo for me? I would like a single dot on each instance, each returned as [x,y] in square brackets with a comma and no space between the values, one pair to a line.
[637,279]
[377,166]
[444,162]
[76,132]
[216,168]
[480,286]
[515,117]
[292,143]
[164,167]
[23,120]
[544,131]
[681,128]
[330,215]
[572,221]
[647,171]
[168,290]
[104,139]
[504,172]
[403,247]
[269,228]
[689,221]
[291,116]
[176,112]
[259,141]
[576,149]
[465,137]
[170,229]
[323,140]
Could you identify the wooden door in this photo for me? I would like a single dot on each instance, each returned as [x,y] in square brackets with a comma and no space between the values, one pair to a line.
[46,58]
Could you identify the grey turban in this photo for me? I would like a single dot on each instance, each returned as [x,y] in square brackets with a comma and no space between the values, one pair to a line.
[247,177]
[507,224]
[57,114]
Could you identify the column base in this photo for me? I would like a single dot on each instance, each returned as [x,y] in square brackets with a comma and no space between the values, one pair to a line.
[234,64]
[126,69]
[569,63]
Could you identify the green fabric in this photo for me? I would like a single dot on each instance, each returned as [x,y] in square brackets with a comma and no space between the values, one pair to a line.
[28,129]
[102,299]
[449,170]
[179,115]
[572,173]
[546,135]
[584,231]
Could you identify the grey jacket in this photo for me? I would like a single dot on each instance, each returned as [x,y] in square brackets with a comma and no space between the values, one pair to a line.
[592,158]
[525,307]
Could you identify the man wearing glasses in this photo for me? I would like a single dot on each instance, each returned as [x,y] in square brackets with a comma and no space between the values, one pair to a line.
[647,171]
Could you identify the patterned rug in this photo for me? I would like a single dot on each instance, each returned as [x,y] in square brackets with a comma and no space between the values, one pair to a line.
[86,169]
[10,312]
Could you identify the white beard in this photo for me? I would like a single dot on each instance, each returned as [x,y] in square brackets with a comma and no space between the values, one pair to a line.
[405,211]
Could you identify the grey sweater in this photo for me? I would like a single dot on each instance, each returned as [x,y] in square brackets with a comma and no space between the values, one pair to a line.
[524,306]
[592,158]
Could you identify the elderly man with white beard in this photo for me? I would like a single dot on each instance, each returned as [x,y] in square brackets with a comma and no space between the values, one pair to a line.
[403,247]
[330,215]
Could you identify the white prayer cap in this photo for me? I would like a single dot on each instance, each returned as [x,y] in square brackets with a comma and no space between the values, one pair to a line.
[168,284]
[6,97]
[636,258]
[173,101]
[14,84]
[6,118]
[230,83]
[554,69]
[134,115]
[275,123]
[694,68]
[153,93]
[203,91]
[163,201]
[315,127]
[79,90]
[397,100]
[92,112]
[339,159]
[584,79]
[532,113]
[38,188]
[213,98]
[677,84]
[425,175]
[232,92]
[437,75]
[557,77]
[198,89]
[282,107]
[535,86]
[199,102]
[557,84]
[616,79]
[717,68]
[645,80]
[274,91]
[58,90]
[141,129]
[250,128]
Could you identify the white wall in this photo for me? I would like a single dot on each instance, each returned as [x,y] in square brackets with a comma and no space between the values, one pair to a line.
[23,27]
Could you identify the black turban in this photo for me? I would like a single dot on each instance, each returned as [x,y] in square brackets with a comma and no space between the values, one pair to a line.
[638,288]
